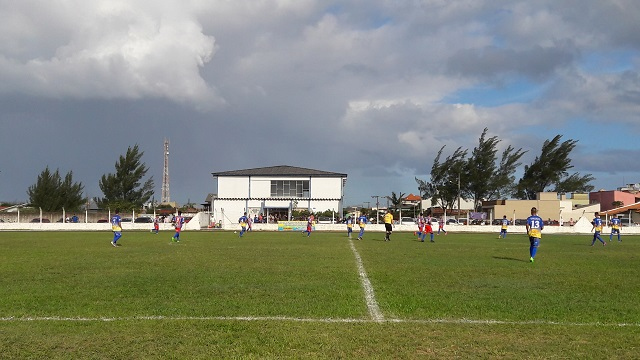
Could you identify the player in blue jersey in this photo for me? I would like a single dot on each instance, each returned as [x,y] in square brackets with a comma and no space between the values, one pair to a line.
[534,230]
[178,223]
[615,228]
[349,223]
[597,228]
[362,222]
[504,224]
[243,223]
[116,227]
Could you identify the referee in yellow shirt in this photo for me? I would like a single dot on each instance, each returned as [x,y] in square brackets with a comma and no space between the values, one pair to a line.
[388,225]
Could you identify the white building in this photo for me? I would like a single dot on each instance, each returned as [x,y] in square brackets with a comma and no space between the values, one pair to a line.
[274,191]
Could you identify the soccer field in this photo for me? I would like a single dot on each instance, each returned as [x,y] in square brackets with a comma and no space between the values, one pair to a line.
[284,295]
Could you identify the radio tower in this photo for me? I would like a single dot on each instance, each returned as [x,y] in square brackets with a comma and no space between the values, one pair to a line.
[165,174]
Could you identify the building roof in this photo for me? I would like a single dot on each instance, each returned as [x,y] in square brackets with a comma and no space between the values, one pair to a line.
[280,170]
[412,197]
[621,209]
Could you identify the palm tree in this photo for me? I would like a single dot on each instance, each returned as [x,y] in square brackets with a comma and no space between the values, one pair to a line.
[396,201]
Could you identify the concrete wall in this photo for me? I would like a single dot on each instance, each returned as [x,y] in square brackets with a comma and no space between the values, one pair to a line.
[200,222]
[521,209]
[606,198]
[78,226]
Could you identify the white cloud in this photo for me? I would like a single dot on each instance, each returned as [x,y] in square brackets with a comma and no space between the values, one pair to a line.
[111,49]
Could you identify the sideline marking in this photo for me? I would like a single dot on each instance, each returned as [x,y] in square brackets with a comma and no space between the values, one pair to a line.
[370,297]
[313,320]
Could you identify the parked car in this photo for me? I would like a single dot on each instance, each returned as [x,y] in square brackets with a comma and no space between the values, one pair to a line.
[126,220]
[452,222]
[37,220]
[143,219]
[480,222]
[520,222]
[102,221]
[407,220]
[324,220]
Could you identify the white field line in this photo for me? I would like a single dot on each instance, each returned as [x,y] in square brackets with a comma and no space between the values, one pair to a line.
[370,297]
[312,320]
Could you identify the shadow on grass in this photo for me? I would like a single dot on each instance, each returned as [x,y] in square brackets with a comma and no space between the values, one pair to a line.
[508,258]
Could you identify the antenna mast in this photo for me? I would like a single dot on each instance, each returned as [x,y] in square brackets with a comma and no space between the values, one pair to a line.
[165,174]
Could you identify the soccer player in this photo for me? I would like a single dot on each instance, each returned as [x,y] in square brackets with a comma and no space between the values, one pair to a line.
[309,225]
[441,226]
[156,225]
[615,228]
[249,221]
[504,223]
[597,228]
[427,230]
[362,222]
[349,223]
[116,227]
[388,225]
[420,222]
[534,230]
[179,221]
[242,220]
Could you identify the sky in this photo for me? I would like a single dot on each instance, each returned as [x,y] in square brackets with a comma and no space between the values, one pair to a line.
[372,89]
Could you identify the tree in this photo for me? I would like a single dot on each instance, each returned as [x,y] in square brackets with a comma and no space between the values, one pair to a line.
[617,204]
[550,170]
[484,179]
[51,193]
[396,200]
[443,187]
[124,189]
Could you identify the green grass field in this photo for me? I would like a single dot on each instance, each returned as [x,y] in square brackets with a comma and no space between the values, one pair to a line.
[71,295]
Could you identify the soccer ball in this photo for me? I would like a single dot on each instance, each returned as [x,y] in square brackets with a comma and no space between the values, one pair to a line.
[235,232]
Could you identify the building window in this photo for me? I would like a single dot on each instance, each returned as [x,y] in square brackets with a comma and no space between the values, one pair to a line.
[290,188]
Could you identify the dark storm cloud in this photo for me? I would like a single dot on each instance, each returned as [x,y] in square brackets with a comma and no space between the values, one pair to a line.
[612,161]
[357,87]
[491,62]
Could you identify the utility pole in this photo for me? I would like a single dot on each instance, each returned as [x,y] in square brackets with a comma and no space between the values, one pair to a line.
[459,196]
[377,197]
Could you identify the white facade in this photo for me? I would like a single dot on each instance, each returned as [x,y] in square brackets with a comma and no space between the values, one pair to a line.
[275,191]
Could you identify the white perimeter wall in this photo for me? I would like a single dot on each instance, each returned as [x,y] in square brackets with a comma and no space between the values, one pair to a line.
[201,222]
